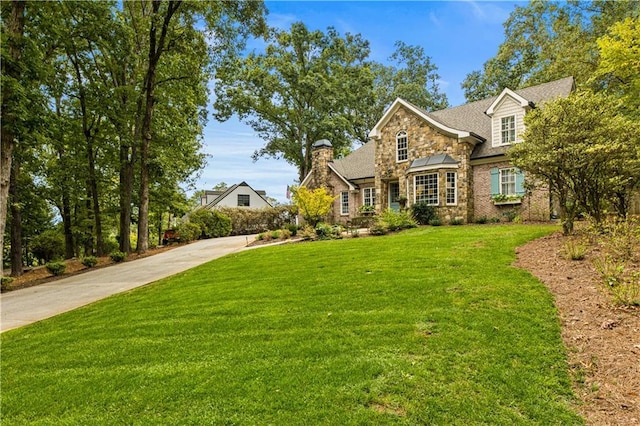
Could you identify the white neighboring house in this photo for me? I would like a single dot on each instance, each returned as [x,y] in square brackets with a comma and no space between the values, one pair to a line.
[239,195]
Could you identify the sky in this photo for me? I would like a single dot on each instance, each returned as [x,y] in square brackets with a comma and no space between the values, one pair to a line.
[459,36]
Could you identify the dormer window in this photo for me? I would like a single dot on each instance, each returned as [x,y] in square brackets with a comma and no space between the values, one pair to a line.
[402,147]
[508,129]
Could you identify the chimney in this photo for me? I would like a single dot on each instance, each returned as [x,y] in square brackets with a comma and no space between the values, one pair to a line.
[321,156]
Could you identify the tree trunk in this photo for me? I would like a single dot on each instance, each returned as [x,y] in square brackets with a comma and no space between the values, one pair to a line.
[16,222]
[14,27]
[66,225]
[126,194]
[93,190]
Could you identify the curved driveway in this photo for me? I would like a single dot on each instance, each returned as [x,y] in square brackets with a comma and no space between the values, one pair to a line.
[28,305]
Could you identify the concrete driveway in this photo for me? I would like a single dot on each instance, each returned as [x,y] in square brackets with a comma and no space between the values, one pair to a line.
[28,305]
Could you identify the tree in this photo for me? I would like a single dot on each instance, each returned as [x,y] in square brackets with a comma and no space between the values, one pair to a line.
[619,64]
[306,86]
[585,151]
[545,41]
[314,204]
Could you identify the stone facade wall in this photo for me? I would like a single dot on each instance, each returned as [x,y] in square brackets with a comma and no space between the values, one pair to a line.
[534,206]
[423,141]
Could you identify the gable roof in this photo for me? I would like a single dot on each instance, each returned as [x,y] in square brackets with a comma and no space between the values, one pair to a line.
[225,193]
[360,164]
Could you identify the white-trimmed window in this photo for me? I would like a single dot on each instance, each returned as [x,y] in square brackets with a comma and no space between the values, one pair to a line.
[402,147]
[508,181]
[369,197]
[344,203]
[426,187]
[243,200]
[452,191]
[508,129]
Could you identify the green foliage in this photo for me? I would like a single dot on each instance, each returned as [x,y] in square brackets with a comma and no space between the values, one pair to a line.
[212,223]
[510,215]
[48,245]
[574,249]
[305,87]
[545,41]
[292,228]
[378,228]
[188,231]
[482,220]
[89,261]
[585,150]
[250,221]
[324,231]
[423,212]
[395,221]
[56,267]
[313,205]
[117,256]
[436,221]
[5,283]
[456,221]
[308,233]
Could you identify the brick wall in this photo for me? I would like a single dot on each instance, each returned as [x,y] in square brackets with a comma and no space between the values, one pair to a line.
[534,206]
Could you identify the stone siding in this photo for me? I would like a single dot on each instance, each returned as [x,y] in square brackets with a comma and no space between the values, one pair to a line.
[423,141]
[534,206]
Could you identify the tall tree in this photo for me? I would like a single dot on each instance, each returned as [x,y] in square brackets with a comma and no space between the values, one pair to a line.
[13,20]
[306,86]
[545,41]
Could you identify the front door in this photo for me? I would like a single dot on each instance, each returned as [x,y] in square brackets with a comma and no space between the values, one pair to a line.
[394,192]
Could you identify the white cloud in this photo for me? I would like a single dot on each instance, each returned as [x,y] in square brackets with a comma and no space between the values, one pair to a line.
[434,20]
[487,12]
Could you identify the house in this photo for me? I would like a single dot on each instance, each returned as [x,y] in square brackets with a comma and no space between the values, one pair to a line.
[240,195]
[453,159]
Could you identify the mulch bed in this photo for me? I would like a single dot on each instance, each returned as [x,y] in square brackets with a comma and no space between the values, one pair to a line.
[602,340]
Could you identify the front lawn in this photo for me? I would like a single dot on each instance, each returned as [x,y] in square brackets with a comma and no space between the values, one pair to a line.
[430,326]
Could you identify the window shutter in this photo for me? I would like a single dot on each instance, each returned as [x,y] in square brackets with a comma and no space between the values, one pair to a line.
[519,182]
[495,182]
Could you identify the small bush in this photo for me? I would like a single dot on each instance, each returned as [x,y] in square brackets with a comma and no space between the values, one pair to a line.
[117,256]
[482,220]
[435,222]
[188,231]
[456,221]
[324,230]
[90,261]
[293,229]
[275,235]
[260,236]
[5,283]
[395,221]
[494,220]
[378,229]
[285,234]
[510,215]
[308,233]
[422,212]
[57,267]
[574,250]
[109,245]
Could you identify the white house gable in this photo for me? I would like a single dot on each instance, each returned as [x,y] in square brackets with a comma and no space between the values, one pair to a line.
[507,122]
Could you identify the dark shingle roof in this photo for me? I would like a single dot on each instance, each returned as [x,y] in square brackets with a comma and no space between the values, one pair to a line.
[469,117]
[437,159]
[360,164]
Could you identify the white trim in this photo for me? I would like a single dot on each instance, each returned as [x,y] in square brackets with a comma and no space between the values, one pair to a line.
[507,92]
[515,130]
[372,195]
[304,181]
[376,132]
[512,171]
[399,135]
[342,212]
[351,187]
[455,189]
[415,186]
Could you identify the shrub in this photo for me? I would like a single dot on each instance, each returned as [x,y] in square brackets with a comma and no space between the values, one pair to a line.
[212,223]
[260,236]
[482,219]
[90,261]
[251,221]
[57,267]
[395,221]
[435,221]
[494,220]
[456,221]
[285,234]
[323,230]
[574,250]
[5,283]
[308,233]
[510,215]
[109,245]
[48,245]
[422,212]
[118,256]
[275,235]
[378,228]
[188,231]
[292,228]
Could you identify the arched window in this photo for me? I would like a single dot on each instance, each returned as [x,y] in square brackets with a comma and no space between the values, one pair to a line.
[402,147]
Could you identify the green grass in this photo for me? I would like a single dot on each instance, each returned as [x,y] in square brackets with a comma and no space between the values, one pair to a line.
[430,326]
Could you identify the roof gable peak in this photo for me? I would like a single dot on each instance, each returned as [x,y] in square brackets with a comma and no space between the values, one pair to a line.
[524,103]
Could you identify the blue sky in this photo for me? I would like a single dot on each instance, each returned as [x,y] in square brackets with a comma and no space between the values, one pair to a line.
[459,36]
